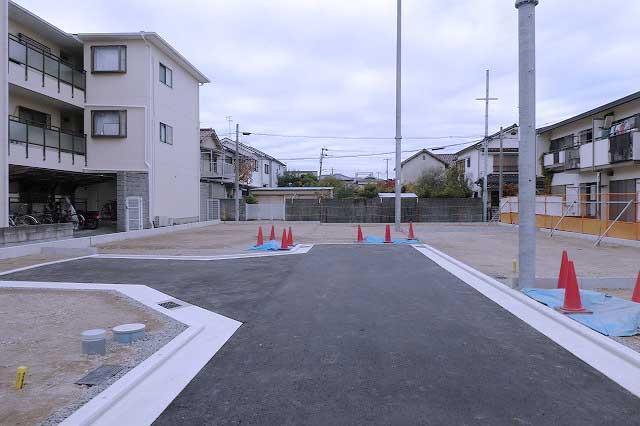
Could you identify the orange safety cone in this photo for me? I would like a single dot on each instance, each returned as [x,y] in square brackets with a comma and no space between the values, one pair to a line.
[290,237]
[360,236]
[260,237]
[272,235]
[411,235]
[636,291]
[562,276]
[572,301]
[387,234]
[284,244]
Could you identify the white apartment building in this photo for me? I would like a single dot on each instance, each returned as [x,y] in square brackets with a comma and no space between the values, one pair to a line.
[217,168]
[589,157]
[470,162]
[101,118]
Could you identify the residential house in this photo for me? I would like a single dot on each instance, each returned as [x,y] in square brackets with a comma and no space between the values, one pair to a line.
[419,163]
[471,162]
[102,118]
[592,160]
[217,168]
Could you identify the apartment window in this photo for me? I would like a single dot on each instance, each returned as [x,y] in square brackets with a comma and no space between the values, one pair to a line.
[166,134]
[166,75]
[108,58]
[109,124]
[34,117]
[585,136]
[266,169]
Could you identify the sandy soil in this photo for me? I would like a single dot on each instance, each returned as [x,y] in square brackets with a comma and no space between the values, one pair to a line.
[23,261]
[41,329]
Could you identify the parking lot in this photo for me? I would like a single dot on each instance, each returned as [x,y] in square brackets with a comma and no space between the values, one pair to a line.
[373,334]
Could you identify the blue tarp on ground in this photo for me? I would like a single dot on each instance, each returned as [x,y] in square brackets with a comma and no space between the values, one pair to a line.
[267,246]
[611,316]
[372,239]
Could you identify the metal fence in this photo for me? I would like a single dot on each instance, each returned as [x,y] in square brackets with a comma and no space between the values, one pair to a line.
[213,209]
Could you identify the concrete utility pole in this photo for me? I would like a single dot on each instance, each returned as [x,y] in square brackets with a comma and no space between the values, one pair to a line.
[4,115]
[486,100]
[237,180]
[322,155]
[527,144]
[500,179]
[398,200]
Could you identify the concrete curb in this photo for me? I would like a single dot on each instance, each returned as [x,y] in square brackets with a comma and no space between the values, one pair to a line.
[87,242]
[142,394]
[616,361]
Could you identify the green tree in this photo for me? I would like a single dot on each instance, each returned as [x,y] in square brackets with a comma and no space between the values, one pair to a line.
[370,190]
[435,183]
[290,179]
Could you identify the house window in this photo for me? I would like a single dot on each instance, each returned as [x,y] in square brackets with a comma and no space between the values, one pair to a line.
[266,169]
[166,75]
[255,165]
[166,134]
[109,123]
[108,59]
[469,162]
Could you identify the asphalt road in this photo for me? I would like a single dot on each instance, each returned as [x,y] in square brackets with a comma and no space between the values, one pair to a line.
[363,335]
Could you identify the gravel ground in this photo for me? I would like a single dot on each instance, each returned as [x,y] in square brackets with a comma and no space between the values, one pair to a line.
[50,347]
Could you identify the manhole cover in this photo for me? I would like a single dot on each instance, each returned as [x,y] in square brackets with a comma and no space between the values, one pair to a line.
[169,304]
[100,374]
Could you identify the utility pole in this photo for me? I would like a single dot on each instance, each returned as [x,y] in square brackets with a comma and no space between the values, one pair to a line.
[527,143]
[398,200]
[322,155]
[500,176]
[486,100]
[237,182]
[229,120]
[387,160]
[4,115]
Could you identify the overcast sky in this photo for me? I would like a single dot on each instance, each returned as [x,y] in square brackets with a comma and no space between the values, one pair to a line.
[327,67]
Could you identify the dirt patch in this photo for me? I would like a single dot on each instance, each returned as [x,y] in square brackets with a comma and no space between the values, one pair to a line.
[41,328]
[24,261]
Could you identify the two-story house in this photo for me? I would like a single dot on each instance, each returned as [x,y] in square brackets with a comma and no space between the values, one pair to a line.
[217,168]
[592,160]
[102,119]
[471,162]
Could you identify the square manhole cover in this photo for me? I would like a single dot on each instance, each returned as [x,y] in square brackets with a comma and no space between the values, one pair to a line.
[100,374]
[169,304]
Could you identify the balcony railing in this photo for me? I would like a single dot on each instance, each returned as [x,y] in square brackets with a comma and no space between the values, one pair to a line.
[567,159]
[38,138]
[216,169]
[621,147]
[32,57]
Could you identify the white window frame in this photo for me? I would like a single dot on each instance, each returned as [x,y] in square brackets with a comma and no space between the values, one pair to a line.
[164,72]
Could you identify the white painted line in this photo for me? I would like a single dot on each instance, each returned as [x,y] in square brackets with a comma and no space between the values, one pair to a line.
[142,394]
[616,361]
[298,249]
[25,268]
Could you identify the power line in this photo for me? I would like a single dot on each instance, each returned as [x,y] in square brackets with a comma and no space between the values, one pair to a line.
[365,137]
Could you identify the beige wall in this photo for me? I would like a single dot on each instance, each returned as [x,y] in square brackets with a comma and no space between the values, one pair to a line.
[414,168]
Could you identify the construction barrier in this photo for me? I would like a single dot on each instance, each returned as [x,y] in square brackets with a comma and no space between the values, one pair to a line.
[614,215]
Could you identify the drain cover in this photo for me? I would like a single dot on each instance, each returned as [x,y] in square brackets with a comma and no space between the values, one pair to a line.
[169,304]
[100,374]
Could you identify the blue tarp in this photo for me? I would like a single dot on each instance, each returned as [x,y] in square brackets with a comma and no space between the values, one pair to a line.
[267,246]
[611,316]
[372,239]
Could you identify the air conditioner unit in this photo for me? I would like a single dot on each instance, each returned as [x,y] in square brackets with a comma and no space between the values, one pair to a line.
[161,221]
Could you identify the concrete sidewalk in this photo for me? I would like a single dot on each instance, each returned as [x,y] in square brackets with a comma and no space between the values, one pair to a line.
[364,334]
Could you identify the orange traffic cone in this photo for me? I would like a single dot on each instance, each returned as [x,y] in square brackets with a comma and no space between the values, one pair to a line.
[572,301]
[260,237]
[290,237]
[562,276]
[411,235]
[272,235]
[360,236]
[284,244]
[387,234]
[636,291]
